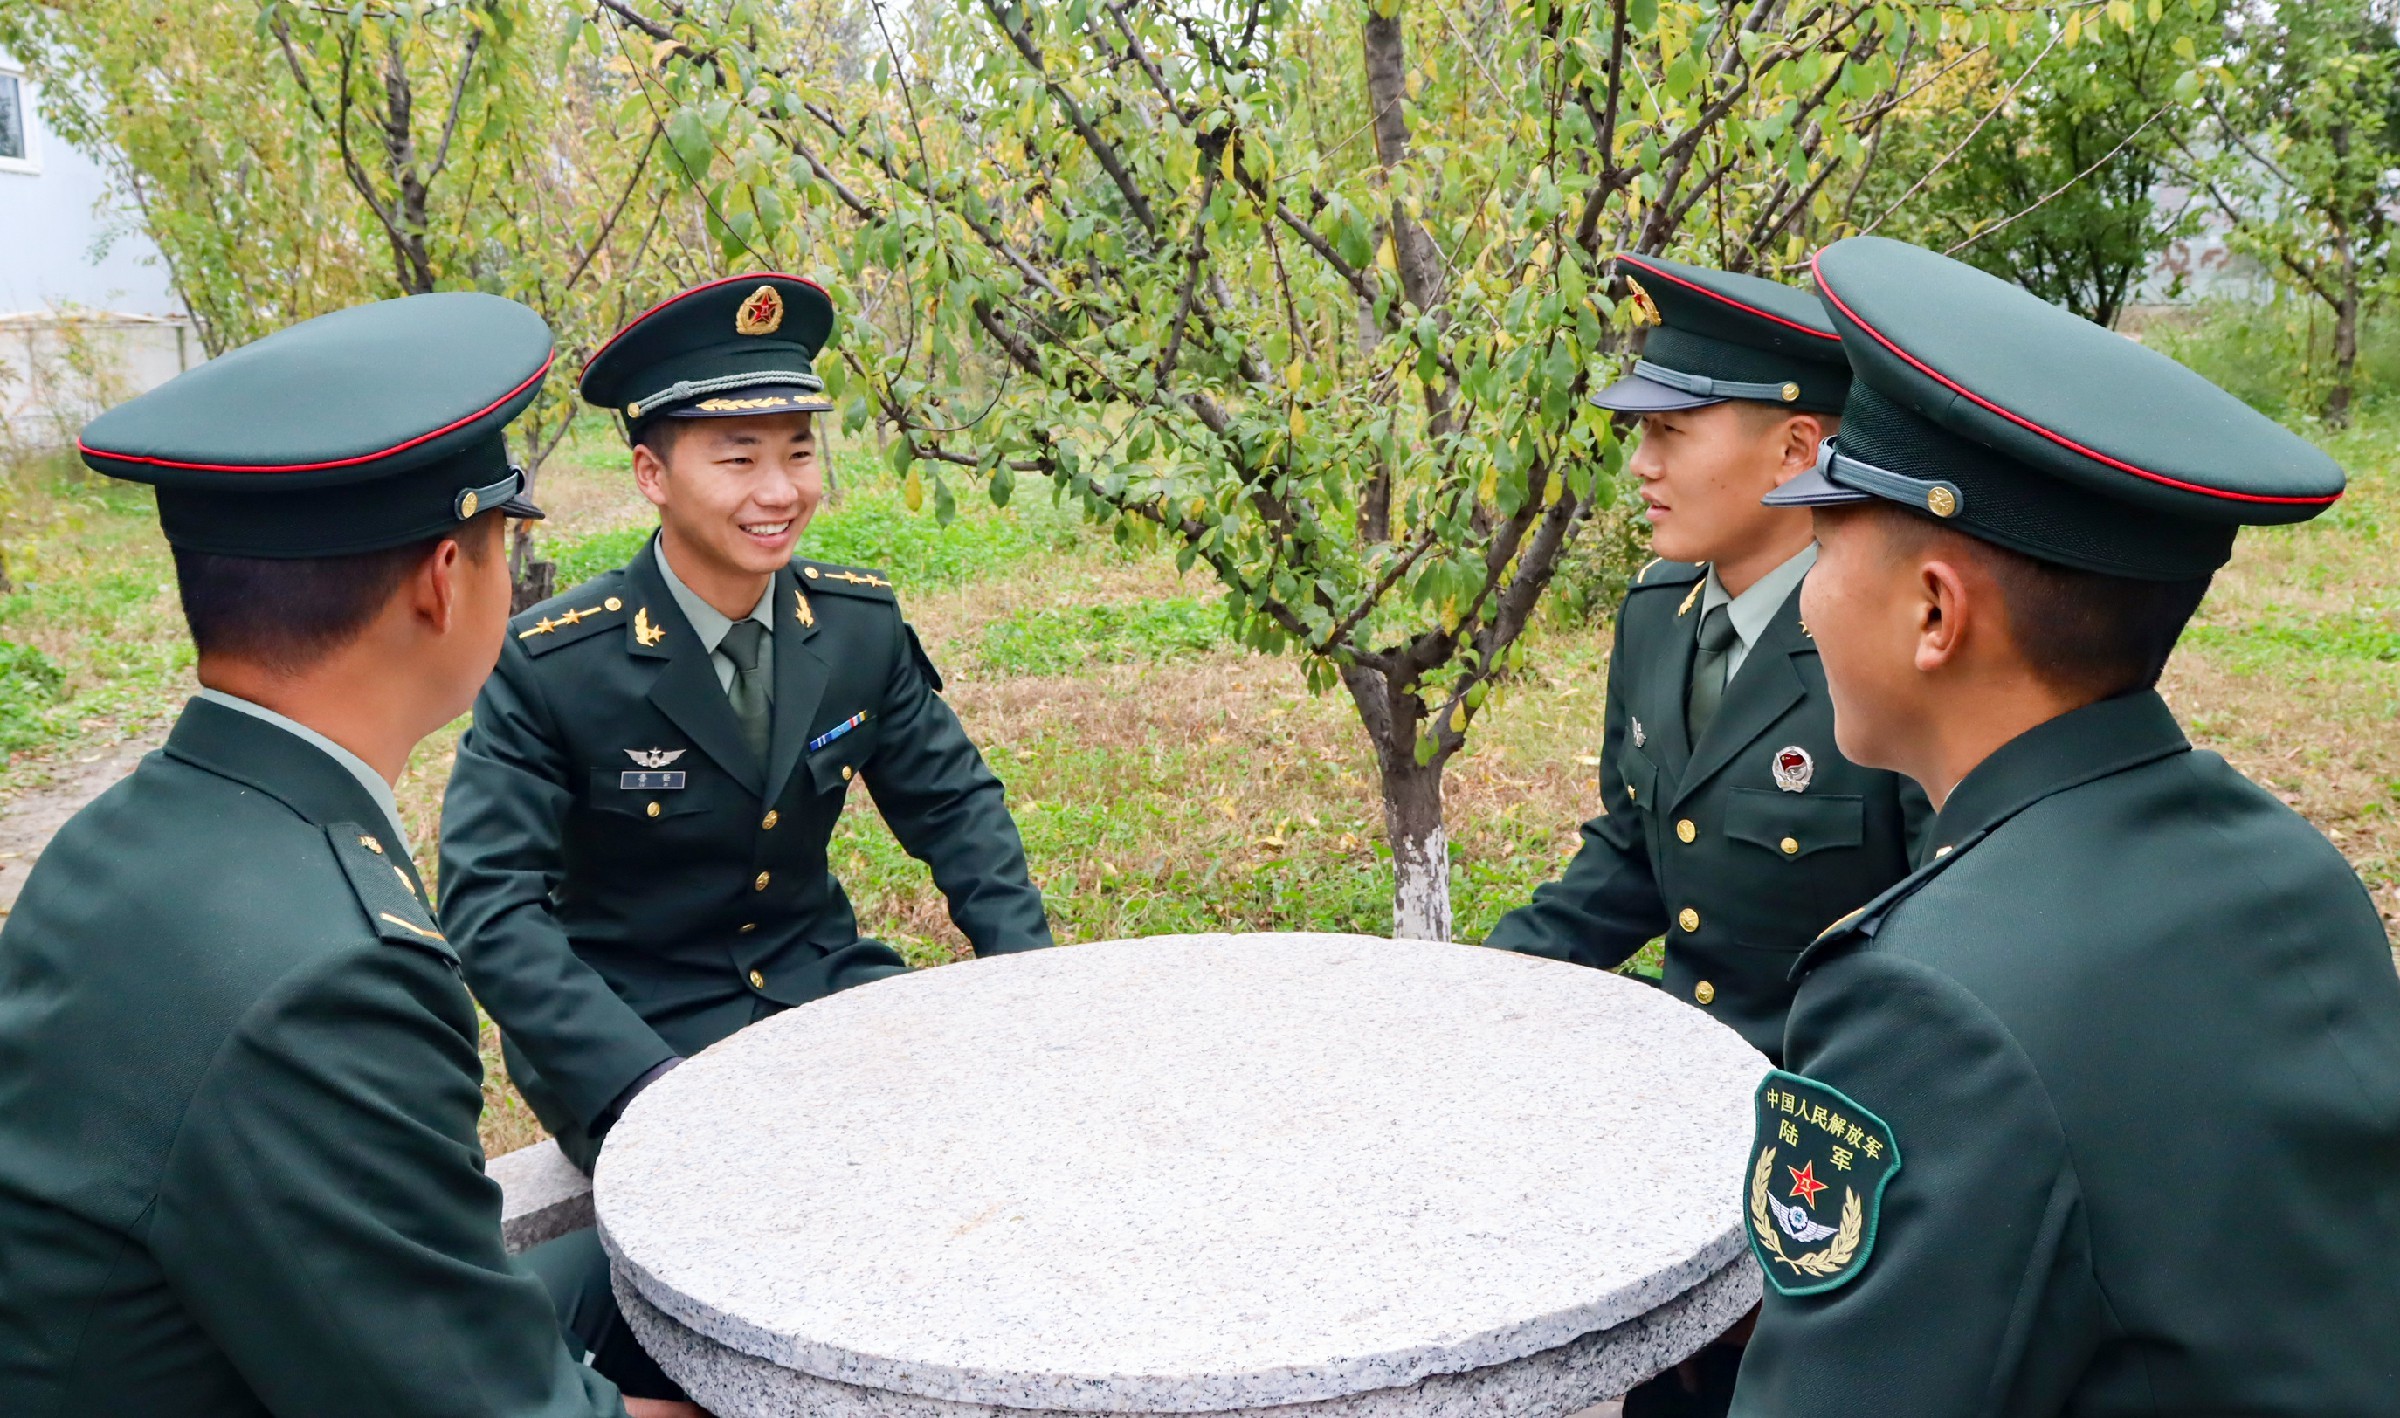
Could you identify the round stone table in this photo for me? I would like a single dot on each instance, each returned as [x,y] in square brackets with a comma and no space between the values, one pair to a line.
[1311,1175]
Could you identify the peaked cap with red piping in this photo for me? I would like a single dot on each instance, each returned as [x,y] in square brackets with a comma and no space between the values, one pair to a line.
[1719,335]
[367,428]
[743,345]
[1984,406]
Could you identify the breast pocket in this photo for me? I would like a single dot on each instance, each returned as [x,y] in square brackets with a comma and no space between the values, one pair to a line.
[653,796]
[835,762]
[1639,774]
[1795,825]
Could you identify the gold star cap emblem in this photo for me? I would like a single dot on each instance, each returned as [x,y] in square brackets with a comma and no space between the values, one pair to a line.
[761,313]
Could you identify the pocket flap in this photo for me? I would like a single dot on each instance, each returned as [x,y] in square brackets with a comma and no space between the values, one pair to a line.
[1795,824]
[1640,775]
[837,763]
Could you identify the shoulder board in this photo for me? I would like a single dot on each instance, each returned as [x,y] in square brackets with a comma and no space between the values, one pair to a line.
[392,909]
[1862,924]
[594,606]
[1668,573]
[818,576]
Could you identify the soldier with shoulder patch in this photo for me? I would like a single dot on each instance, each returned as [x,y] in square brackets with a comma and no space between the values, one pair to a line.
[1729,822]
[634,841]
[239,1084]
[2098,1111]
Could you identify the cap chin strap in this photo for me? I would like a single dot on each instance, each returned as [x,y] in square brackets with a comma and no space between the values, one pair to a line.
[1937,496]
[1707,388]
[683,389]
[483,499]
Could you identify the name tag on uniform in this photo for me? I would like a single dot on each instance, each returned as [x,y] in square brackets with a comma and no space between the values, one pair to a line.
[651,782]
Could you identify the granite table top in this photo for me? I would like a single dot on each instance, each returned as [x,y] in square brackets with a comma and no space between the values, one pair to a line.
[1190,1174]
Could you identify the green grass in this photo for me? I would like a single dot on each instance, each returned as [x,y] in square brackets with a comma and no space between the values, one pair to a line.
[1067,639]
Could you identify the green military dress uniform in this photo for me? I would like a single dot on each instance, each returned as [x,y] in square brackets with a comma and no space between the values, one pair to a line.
[239,1082]
[630,881]
[1741,845]
[2097,1112]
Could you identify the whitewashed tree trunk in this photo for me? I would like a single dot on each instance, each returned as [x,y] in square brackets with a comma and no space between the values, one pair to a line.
[1412,820]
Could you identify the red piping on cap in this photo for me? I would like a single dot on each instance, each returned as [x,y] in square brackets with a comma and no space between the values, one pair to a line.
[2058,438]
[682,295]
[1694,286]
[532,380]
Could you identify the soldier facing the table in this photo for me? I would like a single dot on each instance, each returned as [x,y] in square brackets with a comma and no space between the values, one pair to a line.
[634,841]
[1728,821]
[2097,1112]
[239,1086]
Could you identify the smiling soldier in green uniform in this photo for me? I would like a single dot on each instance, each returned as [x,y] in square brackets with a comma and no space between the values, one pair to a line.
[1729,822]
[2097,1112]
[634,841]
[239,1085]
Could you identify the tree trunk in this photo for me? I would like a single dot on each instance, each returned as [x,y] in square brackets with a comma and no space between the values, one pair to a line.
[1412,820]
[2345,347]
[530,581]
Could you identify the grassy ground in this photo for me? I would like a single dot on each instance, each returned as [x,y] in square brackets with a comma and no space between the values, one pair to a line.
[1167,781]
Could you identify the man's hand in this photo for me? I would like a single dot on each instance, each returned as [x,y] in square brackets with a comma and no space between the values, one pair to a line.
[663,1408]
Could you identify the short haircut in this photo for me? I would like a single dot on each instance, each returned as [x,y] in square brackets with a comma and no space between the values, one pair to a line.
[1759,416]
[287,615]
[2083,632]
[659,435]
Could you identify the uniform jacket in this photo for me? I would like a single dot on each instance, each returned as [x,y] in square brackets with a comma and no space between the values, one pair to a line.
[627,883]
[239,1086]
[1698,842]
[2135,1034]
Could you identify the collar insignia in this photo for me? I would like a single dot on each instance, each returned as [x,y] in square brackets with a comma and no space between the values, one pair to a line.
[761,314]
[654,757]
[643,631]
[1692,599]
[807,616]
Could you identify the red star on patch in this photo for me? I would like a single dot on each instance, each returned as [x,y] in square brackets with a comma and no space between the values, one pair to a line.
[1805,1184]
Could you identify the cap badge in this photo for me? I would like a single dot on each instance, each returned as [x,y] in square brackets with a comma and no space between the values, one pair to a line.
[1645,310]
[761,314]
[1794,768]
[1942,502]
[654,757]
[1639,737]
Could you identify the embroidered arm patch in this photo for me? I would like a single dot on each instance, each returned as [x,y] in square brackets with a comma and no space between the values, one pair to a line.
[1817,1173]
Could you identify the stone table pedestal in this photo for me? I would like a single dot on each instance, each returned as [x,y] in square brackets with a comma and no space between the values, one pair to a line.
[1322,1176]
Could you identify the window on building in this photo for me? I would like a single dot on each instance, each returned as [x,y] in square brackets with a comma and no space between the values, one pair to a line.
[12,119]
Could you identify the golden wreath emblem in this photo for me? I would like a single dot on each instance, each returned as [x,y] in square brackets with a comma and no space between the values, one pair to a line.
[1645,310]
[761,313]
[1817,1264]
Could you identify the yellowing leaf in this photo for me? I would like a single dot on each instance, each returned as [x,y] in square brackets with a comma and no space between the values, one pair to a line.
[1299,421]
[2074,34]
[1489,491]
[1291,372]
[912,490]
[1458,719]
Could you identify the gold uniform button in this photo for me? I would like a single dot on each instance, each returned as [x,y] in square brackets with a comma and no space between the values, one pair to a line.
[1685,831]
[757,981]
[652,809]
[759,883]
[612,604]
[1791,847]
[809,571]
[1688,918]
[1705,992]
[845,772]
[767,823]
[749,926]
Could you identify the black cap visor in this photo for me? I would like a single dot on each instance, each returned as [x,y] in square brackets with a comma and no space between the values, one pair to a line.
[1635,395]
[1814,488]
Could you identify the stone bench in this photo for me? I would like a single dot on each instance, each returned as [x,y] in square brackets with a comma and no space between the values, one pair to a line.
[542,1196]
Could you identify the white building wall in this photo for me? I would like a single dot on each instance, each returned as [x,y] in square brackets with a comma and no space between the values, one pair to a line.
[65,238]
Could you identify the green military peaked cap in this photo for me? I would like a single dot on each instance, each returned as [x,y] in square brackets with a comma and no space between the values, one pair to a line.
[740,346]
[1987,408]
[1718,336]
[369,428]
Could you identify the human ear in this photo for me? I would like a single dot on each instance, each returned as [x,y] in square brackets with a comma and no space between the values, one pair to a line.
[650,474]
[435,588]
[1800,435]
[1943,613]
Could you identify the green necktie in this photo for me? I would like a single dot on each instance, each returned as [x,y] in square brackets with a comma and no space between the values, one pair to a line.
[749,689]
[1708,672]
